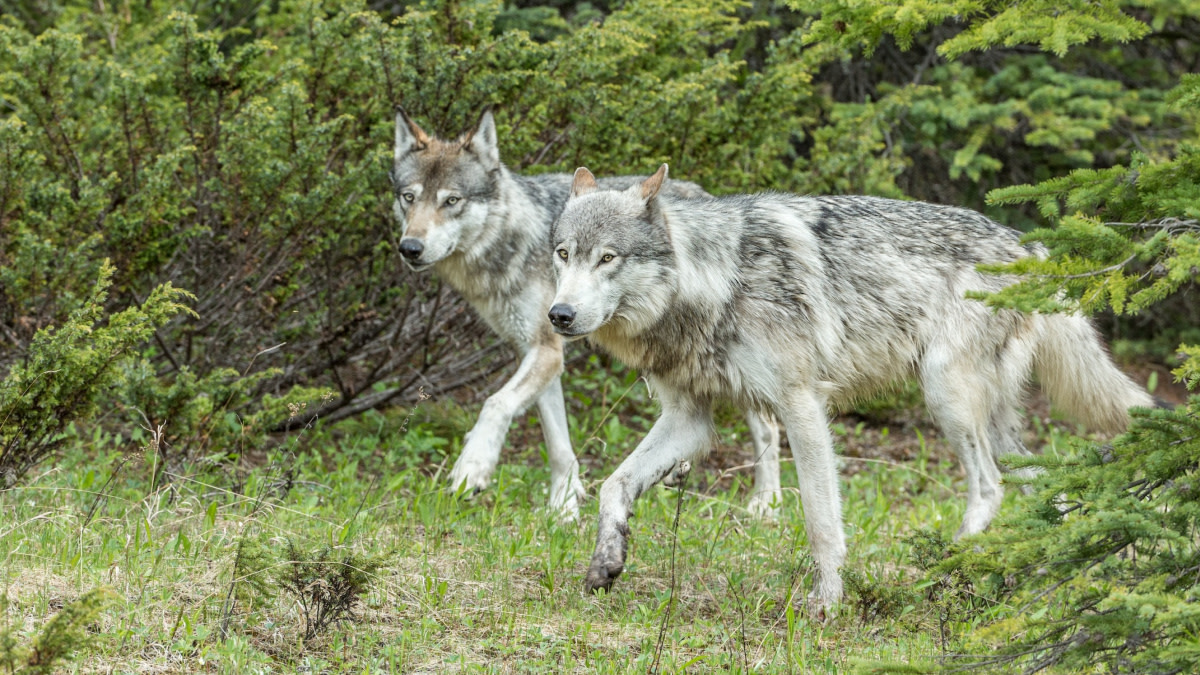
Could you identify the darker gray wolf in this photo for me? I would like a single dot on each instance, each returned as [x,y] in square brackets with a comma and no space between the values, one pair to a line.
[789,305]
[486,231]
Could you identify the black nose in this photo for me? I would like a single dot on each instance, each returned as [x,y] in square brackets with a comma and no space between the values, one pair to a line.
[562,315]
[411,248]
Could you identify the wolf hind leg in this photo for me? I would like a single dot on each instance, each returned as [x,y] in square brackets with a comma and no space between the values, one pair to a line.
[1014,363]
[541,365]
[961,401]
[565,488]
[767,497]
[1004,432]
[803,415]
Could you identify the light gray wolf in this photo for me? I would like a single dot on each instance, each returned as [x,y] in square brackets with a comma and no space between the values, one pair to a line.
[790,305]
[486,231]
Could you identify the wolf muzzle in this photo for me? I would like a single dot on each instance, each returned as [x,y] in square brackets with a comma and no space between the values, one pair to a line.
[562,316]
[411,248]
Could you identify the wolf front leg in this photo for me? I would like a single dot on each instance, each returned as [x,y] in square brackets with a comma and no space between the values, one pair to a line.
[803,414]
[683,431]
[565,488]
[539,369]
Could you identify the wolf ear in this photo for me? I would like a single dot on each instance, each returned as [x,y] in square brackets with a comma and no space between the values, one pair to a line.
[482,141]
[409,136]
[583,183]
[653,184]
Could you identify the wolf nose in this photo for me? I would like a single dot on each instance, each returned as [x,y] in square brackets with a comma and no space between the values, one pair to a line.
[411,248]
[562,315]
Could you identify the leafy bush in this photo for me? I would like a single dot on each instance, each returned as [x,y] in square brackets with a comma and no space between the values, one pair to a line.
[234,168]
[1101,568]
[67,369]
[240,152]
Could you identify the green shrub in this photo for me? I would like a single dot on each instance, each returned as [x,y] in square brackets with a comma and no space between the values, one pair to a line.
[240,152]
[61,639]
[1098,570]
[326,585]
[67,369]
[1103,562]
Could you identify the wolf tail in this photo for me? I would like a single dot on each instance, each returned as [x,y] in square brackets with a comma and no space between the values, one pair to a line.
[1078,375]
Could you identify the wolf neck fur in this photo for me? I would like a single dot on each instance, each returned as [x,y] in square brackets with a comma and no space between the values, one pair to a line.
[497,258]
[674,315]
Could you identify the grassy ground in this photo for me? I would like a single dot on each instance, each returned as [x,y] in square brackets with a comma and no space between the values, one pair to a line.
[196,558]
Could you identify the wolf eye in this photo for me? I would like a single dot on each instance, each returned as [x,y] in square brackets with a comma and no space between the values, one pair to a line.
[607,257]
[562,253]
[408,197]
[451,201]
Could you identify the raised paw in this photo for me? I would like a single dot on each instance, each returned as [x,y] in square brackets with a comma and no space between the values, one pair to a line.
[480,454]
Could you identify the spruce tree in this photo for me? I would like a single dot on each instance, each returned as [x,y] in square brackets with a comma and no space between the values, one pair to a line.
[1102,563]
[1100,568]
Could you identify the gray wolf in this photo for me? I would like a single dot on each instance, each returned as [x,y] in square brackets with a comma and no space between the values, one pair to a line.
[486,231]
[790,305]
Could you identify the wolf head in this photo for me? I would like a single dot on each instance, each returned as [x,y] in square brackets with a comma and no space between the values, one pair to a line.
[612,257]
[442,188]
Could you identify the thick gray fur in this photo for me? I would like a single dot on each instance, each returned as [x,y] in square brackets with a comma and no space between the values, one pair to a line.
[792,305]
[486,231]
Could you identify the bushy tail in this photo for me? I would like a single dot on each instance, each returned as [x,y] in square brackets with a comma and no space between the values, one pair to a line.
[1079,377]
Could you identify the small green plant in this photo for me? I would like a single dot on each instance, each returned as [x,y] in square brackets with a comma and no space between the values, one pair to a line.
[876,597]
[326,586]
[249,580]
[63,637]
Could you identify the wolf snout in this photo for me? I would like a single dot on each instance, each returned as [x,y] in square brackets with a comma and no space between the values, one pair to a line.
[562,315]
[411,249]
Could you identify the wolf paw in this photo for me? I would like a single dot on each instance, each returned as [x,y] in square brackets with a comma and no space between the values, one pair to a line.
[469,477]
[820,610]
[764,505]
[473,470]
[600,576]
[823,600]
[972,524]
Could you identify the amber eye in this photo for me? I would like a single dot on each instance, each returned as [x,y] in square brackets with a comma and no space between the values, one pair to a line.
[451,201]
[408,197]
[562,253]
[607,257]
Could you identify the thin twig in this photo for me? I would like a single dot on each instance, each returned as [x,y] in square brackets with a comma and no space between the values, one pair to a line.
[662,629]
[1093,273]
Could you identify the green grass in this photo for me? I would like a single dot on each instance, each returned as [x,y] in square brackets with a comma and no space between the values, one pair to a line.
[491,584]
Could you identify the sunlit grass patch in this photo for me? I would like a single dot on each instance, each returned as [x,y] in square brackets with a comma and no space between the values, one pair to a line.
[488,584]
